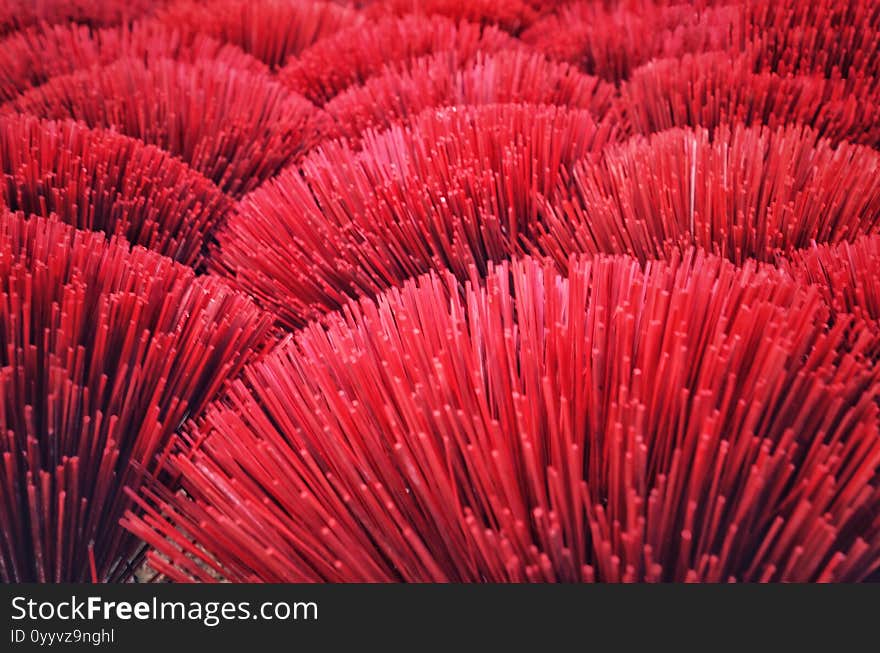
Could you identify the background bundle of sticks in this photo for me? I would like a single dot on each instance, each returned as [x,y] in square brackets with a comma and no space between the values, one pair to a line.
[439,290]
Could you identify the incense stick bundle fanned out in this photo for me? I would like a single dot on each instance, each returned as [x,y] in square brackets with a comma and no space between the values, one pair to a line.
[236,127]
[101,181]
[848,275]
[271,30]
[106,350]
[610,42]
[743,192]
[21,14]
[513,76]
[413,199]
[33,56]
[355,54]
[712,89]
[517,433]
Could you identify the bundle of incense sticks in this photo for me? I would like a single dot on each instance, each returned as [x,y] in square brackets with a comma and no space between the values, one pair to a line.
[440,290]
